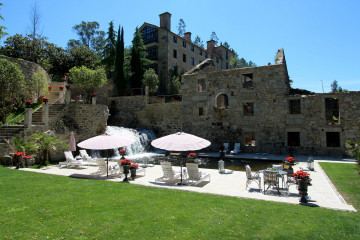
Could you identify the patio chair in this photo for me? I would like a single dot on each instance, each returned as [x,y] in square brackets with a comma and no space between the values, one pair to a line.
[236,149]
[87,159]
[278,167]
[194,175]
[102,166]
[169,173]
[252,177]
[71,161]
[270,178]
[226,147]
[290,180]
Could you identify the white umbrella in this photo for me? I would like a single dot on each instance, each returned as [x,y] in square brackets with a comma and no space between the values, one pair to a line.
[72,143]
[180,142]
[104,142]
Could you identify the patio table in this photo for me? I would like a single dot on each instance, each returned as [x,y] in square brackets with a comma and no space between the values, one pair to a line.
[280,174]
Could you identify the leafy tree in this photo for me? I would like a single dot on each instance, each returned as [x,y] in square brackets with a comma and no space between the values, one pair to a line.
[89,36]
[2,33]
[108,52]
[17,46]
[37,84]
[151,79]
[226,44]
[240,63]
[13,85]
[198,42]
[119,62]
[214,37]
[353,149]
[83,56]
[88,78]
[335,87]
[181,27]
[35,24]
[175,82]
[138,59]
[45,144]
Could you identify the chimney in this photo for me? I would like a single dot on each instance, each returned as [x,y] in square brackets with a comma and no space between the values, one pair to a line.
[187,36]
[210,45]
[165,20]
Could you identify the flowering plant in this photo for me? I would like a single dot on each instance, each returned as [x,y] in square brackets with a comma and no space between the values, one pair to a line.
[125,162]
[19,154]
[28,102]
[301,175]
[64,79]
[67,86]
[45,100]
[94,93]
[122,150]
[192,154]
[27,157]
[222,147]
[77,96]
[49,87]
[290,159]
[134,166]
[61,87]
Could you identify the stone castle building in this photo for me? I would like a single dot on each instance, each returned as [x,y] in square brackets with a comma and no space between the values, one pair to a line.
[170,51]
[256,107]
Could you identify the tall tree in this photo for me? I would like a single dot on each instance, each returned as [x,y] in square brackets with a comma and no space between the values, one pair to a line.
[226,44]
[138,60]
[119,62]
[199,42]
[2,33]
[89,36]
[12,84]
[35,24]
[181,27]
[240,62]
[214,37]
[108,52]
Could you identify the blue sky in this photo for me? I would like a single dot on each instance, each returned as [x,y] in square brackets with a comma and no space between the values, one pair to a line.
[321,38]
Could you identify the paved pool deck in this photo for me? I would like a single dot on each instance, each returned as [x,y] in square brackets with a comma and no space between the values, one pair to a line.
[322,192]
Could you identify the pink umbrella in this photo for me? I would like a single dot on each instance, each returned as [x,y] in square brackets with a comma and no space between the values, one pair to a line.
[180,142]
[72,143]
[104,142]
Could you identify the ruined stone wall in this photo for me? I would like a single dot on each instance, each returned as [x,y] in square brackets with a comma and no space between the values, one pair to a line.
[271,121]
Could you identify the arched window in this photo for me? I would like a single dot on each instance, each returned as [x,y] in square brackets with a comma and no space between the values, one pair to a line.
[222,101]
[201,85]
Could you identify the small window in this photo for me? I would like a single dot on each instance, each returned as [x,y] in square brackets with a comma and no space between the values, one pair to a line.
[184,44]
[217,60]
[174,53]
[175,39]
[227,65]
[212,56]
[294,106]
[206,55]
[192,62]
[248,80]
[175,68]
[201,85]
[248,109]
[184,57]
[293,139]
[192,48]
[200,52]
[201,111]
[249,139]
[222,101]
[333,139]
[332,110]
[227,55]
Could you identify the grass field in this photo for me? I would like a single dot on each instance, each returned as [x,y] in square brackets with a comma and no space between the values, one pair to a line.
[41,206]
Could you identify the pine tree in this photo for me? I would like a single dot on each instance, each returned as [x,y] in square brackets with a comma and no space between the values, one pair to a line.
[119,62]
[138,60]
[108,53]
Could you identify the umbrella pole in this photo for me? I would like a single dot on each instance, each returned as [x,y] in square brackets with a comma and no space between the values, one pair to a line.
[107,163]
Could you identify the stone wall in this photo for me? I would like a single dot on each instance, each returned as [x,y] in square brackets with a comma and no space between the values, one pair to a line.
[271,122]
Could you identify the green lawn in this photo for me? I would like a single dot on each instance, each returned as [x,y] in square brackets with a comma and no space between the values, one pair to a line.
[41,206]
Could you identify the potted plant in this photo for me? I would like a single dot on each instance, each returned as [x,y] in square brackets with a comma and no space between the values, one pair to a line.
[50,88]
[61,88]
[17,160]
[133,168]
[125,163]
[45,99]
[302,179]
[94,94]
[290,160]
[28,160]
[122,152]
[28,103]
[67,86]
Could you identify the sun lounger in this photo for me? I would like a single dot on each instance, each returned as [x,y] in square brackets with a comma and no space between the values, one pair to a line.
[71,161]
[169,173]
[194,175]
[87,159]
[236,149]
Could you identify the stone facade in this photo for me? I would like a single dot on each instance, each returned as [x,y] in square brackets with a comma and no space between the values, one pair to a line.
[170,51]
[254,106]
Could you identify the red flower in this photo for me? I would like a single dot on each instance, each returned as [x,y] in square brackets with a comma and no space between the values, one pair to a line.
[27,157]
[290,159]
[28,101]
[301,175]
[45,99]
[125,162]
[61,87]
[94,93]
[122,150]
[192,154]
[49,87]
[64,78]
[19,154]
[134,165]
[77,96]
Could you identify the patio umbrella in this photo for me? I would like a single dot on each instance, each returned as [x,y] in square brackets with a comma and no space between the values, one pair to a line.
[72,143]
[180,142]
[104,142]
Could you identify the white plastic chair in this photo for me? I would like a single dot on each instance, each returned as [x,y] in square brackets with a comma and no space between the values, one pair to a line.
[71,161]
[169,173]
[89,160]
[194,175]
[236,149]
[102,166]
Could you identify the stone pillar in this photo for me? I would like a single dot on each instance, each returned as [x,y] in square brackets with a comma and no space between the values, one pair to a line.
[45,114]
[67,97]
[93,100]
[146,90]
[28,117]
[61,96]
